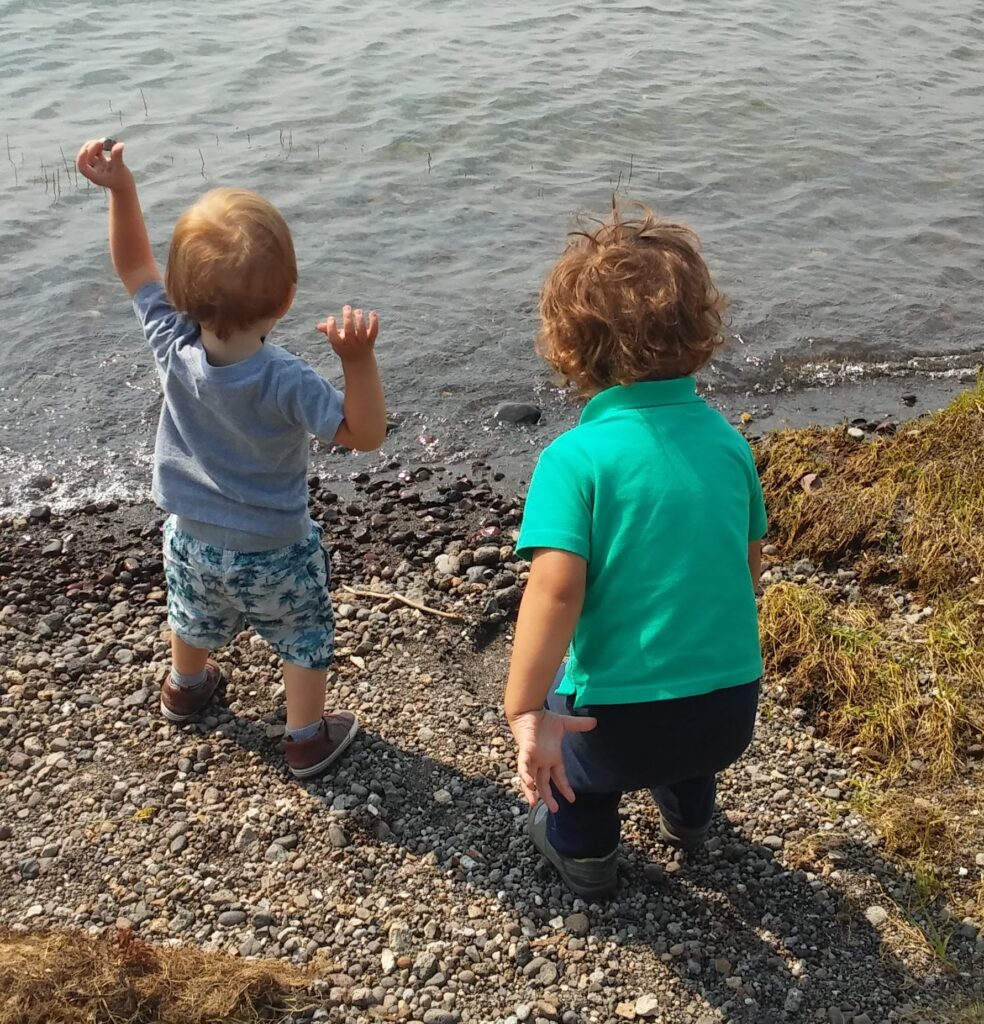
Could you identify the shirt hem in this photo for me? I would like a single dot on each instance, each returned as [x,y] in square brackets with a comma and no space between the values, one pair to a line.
[646,694]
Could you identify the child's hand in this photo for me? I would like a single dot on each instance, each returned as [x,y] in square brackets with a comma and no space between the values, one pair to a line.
[540,736]
[356,338]
[106,170]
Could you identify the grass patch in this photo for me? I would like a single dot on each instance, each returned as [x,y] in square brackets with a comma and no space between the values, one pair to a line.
[910,505]
[71,978]
[867,684]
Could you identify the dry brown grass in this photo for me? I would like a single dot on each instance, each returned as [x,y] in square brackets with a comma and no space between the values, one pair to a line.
[911,505]
[71,978]
[868,684]
[913,827]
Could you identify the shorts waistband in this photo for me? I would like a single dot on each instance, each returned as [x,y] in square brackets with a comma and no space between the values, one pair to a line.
[229,539]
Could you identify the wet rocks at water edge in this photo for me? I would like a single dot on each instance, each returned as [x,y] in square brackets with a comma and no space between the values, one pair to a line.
[405,876]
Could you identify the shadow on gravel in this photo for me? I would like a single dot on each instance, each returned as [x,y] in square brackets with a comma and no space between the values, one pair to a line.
[742,933]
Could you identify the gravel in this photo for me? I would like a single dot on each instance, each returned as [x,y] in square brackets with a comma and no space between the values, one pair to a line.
[404,877]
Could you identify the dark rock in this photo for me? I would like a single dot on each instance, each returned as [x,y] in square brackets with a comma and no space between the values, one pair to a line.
[518,412]
[487,555]
[230,918]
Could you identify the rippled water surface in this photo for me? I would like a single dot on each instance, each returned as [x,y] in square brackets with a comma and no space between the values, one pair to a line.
[429,158]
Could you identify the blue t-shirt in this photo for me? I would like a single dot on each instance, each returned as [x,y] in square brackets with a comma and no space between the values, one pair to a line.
[233,441]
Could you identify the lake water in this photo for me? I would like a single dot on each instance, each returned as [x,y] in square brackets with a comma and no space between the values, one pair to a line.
[430,157]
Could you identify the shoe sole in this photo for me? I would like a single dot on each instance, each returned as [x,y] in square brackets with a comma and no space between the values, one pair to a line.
[686,843]
[590,893]
[173,716]
[317,769]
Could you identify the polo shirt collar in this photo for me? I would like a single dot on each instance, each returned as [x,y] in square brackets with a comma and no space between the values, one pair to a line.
[645,395]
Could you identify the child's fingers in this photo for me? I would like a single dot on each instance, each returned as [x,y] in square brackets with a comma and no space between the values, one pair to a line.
[117,153]
[544,789]
[559,777]
[348,322]
[84,160]
[373,327]
[322,327]
[331,329]
[360,324]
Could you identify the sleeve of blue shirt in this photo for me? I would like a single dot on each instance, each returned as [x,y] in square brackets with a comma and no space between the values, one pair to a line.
[558,506]
[163,327]
[758,522]
[310,401]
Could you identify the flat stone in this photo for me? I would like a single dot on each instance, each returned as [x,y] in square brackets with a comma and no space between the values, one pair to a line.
[442,796]
[447,565]
[425,966]
[336,837]
[577,924]
[487,555]
[518,412]
[400,937]
[276,854]
[230,918]
[773,842]
[647,1006]
[835,1016]
[18,760]
[876,916]
[438,1016]
[138,697]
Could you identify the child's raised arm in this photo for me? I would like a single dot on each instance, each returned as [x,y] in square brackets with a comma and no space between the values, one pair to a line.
[364,425]
[129,245]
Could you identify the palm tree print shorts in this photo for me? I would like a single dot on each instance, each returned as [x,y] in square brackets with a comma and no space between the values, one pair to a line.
[213,593]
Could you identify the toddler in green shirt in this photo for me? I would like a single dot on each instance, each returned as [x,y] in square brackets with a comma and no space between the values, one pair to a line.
[644,526]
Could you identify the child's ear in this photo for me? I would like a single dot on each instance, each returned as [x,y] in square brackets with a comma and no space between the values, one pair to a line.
[288,302]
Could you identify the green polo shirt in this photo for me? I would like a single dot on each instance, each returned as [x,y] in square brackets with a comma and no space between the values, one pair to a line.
[660,495]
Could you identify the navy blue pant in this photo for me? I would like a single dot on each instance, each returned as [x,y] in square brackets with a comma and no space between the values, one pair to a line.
[673,748]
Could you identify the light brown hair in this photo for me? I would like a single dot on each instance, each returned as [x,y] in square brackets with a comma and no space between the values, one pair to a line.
[629,301]
[231,262]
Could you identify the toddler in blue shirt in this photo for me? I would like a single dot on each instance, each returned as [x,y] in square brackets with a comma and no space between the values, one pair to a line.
[231,458]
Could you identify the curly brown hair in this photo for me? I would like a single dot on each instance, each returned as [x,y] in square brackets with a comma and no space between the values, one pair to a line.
[630,301]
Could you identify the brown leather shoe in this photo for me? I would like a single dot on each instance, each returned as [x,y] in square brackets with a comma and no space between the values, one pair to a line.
[307,758]
[178,703]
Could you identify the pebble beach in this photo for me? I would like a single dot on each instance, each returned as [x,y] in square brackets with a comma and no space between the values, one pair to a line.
[403,880]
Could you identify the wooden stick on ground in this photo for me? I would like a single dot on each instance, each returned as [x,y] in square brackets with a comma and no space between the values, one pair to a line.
[404,600]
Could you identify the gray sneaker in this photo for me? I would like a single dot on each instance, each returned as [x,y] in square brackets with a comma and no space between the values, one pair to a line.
[591,878]
[688,839]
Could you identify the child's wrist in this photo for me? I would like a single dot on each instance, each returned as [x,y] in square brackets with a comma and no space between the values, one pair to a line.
[128,184]
[358,359]
[513,714]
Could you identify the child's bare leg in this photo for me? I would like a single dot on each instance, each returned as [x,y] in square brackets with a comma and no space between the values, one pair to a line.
[305,697]
[187,662]
[191,682]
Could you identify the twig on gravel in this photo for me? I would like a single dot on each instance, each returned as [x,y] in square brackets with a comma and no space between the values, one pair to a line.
[403,600]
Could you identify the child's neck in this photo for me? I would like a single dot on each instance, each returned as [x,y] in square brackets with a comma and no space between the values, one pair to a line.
[239,346]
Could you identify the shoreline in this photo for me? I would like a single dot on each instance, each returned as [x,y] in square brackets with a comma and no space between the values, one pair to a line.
[442,442]
[404,880]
